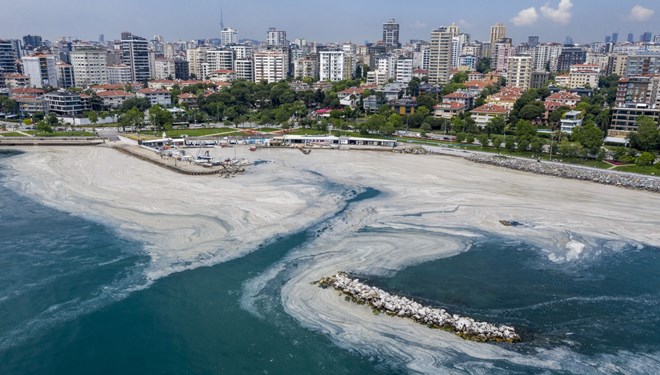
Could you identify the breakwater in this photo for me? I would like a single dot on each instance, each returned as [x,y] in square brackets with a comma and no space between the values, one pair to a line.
[403,307]
[606,177]
[51,141]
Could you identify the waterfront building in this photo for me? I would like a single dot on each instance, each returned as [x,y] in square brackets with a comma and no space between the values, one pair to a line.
[440,56]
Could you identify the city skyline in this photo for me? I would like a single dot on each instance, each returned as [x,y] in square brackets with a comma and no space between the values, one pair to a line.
[315,21]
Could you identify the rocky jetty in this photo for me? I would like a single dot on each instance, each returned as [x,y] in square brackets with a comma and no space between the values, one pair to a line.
[606,177]
[394,305]
[416,150]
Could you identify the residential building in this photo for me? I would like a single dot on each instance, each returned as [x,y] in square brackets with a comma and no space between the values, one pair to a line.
[584,75]
[244,69]
[404,69]
[64,73]
[8,56]
[276,38]
[519,73]
[331,66]
[270,66]
[156,96]
[135,54]
[196,58]
[119,74]
[65,103]
[440,56]
[228,36]
[218,60]
[501,52]
[385,63]
[506,97]
[497,32]
[624,118]
[41,69]
[241,51]
[448,110]
[482,115]
[463,98]
[164,68]
[571,56]
[14,80]
[114,98]
[181,70]
[539,79]
[561,99]
[642,64]
[570,120]
[391,34]
[306,67]
[89,67]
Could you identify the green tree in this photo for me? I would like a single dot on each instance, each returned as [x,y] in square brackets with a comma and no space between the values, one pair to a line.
[427,101]
[532,111]
[645,159]
[459,77]
[589,136]
[44,127]
[483,66]
[93,117]
[483,139]
[133,117]
[496,125]
[525,131]
[647,136]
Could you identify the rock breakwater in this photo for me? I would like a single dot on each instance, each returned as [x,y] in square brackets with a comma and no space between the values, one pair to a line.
[606,177]
[382,301]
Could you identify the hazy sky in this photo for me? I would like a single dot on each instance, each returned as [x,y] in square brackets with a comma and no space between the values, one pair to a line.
[328,20]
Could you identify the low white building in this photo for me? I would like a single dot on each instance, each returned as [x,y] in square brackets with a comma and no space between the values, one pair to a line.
[571,120]
[584,75]
[156,96]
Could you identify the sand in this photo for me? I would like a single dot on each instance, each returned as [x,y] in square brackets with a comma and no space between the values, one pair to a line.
[430,207]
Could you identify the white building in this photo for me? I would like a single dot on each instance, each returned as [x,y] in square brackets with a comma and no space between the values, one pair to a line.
[218,60]
[440,56]
[519,73]
[164,68]
[331,66]
[404,69]
[228,36]
[89,67]
[196,60]
[583,75]
[156,96]
[270,66]
[244,69]
[385,64]
[241,51]
[119,74]
[571,120]
[276,38]
[41,69]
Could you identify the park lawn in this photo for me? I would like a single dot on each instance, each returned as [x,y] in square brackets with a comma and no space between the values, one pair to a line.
[267,130]
[647,170]
[307,132]
[12,134]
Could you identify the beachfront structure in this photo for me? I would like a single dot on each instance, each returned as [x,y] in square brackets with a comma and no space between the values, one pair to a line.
[332,141]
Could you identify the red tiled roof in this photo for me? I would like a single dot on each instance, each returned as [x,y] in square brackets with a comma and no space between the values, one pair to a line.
[153,91]
[490,108]
[111,93]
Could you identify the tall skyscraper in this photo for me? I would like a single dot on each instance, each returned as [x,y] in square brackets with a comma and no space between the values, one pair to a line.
[646,37]
[276,38]
[631,38]
[391,34]
[519,72]
[454,30]
[41,69]
[32,41]
[331,65]
[135,53]
[615,38]
[440,55]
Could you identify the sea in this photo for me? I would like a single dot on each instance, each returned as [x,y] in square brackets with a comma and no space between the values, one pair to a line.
[74,300]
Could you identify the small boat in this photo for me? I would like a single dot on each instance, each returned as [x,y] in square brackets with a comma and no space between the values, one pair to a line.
[253,148]
[509,223]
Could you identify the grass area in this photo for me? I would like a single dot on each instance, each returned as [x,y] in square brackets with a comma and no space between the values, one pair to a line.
[12,134]
[267,130]
[307,132]
[647,170]
[137,137]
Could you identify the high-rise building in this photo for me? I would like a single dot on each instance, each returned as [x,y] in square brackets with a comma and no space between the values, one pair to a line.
[119,74]
[181,70]
[196,61]
[440,56]
[135,53]
[270,66]
[502,50]
[8,57]
[646,37]
[533,41]
[497,32]
[32,41]
[454,30]
[643,64]
[331,65]
[101,38]
[615,38]
[242,51]
[391,34]
[41,69]
[218,60]
[276,38]
[306,67]
[164,68]
[631,38]
[519,72]
[64,75]
[228,36]
[404,69]
[89,67]
[244,69]
[570,56]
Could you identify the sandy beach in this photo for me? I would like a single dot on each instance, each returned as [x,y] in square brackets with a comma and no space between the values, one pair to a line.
[429,207]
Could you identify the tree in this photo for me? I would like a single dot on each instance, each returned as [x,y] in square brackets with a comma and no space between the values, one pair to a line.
[555,116]
[483,139]
[427,101]
[142,104]
[93,117]
[646,158]
[52,119]
[413,86]
[44,127]
[496,125]
[483,66]
[525,131]
[589,136]
[497,141]
[133,117]
[459,77]
[531,111]
[647,136]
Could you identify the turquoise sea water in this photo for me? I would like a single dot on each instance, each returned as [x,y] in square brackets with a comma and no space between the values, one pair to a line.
[71,302]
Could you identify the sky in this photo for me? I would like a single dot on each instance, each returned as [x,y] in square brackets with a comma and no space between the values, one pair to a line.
[328,20]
